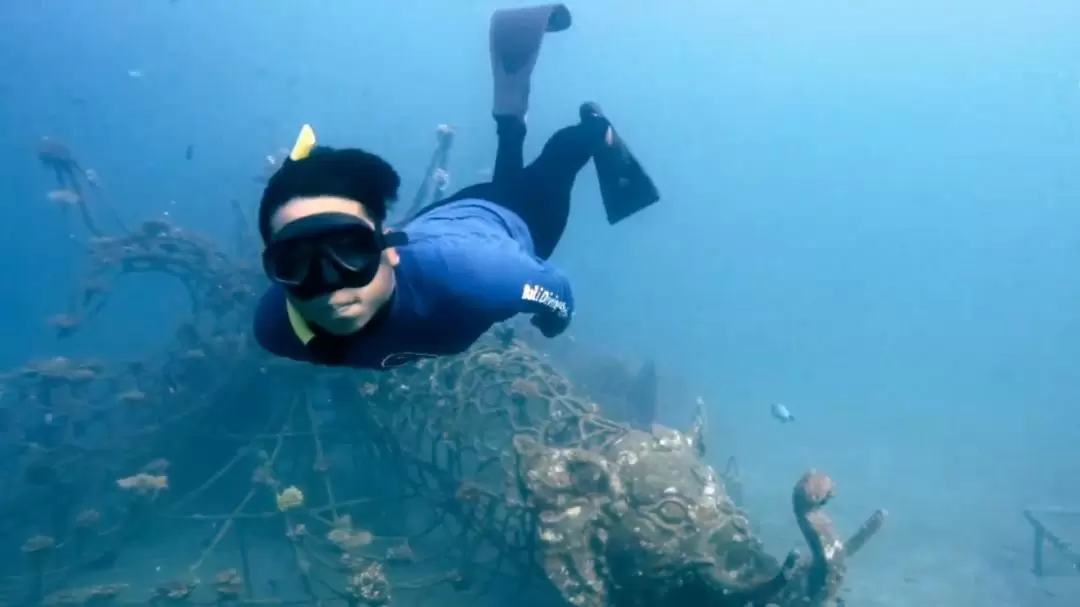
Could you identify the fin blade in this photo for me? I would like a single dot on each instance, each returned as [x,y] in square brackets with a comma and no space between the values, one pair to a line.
[515,38]
[625,186]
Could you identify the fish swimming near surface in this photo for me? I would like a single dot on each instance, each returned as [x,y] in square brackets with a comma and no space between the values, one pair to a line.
[781,413]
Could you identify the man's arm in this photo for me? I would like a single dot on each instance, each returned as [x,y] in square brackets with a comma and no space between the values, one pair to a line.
[497,283]
[272,329]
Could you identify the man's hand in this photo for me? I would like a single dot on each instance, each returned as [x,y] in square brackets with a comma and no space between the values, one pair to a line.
[550,325]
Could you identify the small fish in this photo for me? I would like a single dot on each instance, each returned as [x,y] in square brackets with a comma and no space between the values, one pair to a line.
[781,413]
[189,153]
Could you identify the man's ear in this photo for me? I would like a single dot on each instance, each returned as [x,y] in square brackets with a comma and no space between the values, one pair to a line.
[391,253]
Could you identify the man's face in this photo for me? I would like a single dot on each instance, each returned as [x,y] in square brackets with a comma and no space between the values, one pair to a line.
[349,309]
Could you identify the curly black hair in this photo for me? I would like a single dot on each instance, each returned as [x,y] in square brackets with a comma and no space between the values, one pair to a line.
[348,173]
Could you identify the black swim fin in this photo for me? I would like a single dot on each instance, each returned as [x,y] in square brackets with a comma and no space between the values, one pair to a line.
[515,38]
[625,187]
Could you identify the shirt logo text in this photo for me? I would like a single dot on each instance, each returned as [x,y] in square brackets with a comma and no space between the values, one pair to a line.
[542,296]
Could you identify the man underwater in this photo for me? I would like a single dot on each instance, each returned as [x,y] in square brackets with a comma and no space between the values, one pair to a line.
[348,291]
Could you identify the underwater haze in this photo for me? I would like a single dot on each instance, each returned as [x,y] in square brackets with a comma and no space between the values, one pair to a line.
[870,213]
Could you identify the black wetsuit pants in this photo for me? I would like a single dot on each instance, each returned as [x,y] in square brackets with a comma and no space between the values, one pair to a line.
[540,192]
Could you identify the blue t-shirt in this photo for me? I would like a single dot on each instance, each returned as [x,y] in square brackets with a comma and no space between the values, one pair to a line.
[469,264]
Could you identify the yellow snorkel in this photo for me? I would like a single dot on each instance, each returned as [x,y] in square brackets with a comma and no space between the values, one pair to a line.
[305,142]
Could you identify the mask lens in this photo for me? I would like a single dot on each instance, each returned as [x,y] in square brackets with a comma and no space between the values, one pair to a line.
[289,262]
[356,250]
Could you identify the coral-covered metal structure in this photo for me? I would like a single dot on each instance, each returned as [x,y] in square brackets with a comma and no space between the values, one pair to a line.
[212,473]
[1058,529]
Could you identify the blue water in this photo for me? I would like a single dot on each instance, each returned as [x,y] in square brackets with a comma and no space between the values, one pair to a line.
[871,214]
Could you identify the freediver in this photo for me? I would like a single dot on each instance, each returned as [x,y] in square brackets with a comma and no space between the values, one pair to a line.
[348,291]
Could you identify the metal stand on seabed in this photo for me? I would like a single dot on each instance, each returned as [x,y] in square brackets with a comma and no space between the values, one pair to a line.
[1059,529]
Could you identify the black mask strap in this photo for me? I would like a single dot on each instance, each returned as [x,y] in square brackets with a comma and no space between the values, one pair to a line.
[395,239]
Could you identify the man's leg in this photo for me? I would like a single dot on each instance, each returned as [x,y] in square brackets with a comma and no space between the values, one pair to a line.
[509,160]
[510,149]
[541,194]
[515,37]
